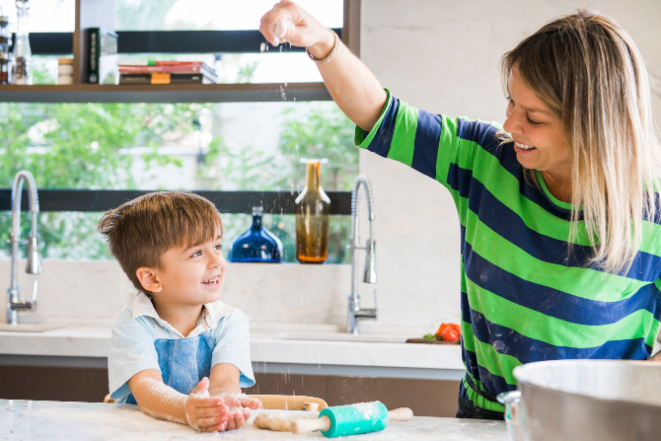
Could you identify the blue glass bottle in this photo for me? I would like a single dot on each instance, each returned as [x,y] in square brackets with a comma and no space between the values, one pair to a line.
[257,244]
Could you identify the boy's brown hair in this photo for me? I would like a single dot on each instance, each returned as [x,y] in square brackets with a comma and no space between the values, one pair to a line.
[140,231]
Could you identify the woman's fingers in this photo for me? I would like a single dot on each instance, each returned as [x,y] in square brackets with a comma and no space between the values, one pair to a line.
[270,20]
[288,22]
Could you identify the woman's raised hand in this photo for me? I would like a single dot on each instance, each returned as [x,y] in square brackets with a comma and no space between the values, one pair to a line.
[288,22]
[353,87]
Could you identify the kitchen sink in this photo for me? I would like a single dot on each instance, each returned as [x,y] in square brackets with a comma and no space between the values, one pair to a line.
[28,327]
[341,337]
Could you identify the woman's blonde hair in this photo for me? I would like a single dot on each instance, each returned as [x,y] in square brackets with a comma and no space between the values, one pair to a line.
[590,74]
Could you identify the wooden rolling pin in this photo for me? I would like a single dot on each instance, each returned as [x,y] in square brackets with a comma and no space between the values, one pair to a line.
[352,419]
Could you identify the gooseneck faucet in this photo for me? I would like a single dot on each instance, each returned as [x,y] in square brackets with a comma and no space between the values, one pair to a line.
[369,274]
[14,303]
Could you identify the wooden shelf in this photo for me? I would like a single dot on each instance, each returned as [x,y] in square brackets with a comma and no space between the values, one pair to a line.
[164,93]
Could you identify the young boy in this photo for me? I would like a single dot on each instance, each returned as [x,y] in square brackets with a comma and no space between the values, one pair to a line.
[178,352]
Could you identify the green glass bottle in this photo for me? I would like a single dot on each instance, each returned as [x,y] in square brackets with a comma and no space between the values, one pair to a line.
[312,216]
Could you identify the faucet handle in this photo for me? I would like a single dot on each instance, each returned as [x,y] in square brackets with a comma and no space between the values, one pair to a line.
[35,287]
[370,262]
[34,260]
[368,313]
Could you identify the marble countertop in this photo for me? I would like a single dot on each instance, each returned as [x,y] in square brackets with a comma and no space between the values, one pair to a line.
[310,347]
[48,420]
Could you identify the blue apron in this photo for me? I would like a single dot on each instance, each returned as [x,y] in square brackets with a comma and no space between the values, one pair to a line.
[183,362]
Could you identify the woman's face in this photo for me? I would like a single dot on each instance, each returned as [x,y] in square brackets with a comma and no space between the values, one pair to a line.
[538,136]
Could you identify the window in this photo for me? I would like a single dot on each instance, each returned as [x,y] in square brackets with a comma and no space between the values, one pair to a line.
[189,146]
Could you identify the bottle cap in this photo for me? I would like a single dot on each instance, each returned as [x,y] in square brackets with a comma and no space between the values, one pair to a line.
[65,61]
[307,160]
[257,210]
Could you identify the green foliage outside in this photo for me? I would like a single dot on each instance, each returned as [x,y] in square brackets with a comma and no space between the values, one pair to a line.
[79,146]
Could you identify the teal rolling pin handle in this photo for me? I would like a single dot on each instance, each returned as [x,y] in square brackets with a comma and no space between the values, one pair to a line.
[352,419]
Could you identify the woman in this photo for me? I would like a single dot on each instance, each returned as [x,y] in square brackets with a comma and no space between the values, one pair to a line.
[561,249]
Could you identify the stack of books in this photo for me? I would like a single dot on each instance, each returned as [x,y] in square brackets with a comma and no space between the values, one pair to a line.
[165,72]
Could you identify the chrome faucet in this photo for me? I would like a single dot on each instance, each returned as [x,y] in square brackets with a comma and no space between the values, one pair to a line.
[369,273]
[14,303]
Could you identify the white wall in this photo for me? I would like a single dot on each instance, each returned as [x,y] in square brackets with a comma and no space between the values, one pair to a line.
[95,292]
[443,56]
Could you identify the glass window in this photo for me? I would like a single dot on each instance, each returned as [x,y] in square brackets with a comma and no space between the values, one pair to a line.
[45,15]
[200,146]
[169,15]
[272,66]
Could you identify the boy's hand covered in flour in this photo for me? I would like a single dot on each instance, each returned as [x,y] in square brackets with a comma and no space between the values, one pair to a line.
[206,413]
[239,409]
[223,412]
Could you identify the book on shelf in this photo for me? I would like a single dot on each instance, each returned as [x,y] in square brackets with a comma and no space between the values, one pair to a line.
[101,56]
[157,63]
[169,67]
[165,78]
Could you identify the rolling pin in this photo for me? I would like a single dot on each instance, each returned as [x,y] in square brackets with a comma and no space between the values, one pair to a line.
[352,419]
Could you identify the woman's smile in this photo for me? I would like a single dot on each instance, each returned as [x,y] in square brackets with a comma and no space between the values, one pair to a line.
[523,149]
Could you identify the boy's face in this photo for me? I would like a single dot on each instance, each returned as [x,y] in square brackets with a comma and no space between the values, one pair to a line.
[191,275]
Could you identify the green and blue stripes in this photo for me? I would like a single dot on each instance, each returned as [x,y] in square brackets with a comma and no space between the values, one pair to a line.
[527,294]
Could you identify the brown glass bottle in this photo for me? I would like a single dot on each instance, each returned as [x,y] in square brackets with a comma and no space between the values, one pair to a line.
[312,217]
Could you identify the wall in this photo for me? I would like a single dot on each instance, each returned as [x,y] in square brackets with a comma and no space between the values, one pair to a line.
[443,56]
[95,292]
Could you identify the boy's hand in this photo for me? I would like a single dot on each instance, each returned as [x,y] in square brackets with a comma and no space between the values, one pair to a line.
[238,418]
[204,413]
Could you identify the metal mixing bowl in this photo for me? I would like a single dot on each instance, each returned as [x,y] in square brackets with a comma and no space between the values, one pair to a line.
[585,400]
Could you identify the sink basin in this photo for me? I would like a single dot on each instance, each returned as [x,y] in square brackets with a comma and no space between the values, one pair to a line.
[27,327]
[343,337]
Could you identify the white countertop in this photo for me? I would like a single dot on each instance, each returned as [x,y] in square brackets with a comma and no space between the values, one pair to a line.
[271,348]
[50,420]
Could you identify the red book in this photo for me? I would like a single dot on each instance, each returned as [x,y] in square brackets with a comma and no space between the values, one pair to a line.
[178,63]
[157,63]
[165,68]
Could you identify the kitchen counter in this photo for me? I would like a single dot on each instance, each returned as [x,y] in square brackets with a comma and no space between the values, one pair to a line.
[306,350]
[49,420]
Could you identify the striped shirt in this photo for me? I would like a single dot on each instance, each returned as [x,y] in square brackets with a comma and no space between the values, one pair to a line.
[524,296]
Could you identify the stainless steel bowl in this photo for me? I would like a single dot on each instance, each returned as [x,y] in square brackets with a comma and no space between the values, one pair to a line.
[585,400]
